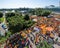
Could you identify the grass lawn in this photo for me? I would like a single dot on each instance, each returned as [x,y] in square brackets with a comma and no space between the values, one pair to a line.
[2,19]
[3,39]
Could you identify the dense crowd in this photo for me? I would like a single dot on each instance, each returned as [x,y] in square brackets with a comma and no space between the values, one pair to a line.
[44,29]
[16,41]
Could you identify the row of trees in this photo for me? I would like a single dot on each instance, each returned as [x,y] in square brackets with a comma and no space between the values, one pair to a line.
[40,12]
[37,11]
[10,14]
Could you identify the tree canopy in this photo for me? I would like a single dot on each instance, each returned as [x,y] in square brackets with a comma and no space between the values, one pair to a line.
[1,14]
[46,13]
[10,14]
[40,12]
[26,17]
[17,23]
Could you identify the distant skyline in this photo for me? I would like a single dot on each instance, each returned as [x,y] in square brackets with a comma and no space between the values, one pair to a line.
[27,3]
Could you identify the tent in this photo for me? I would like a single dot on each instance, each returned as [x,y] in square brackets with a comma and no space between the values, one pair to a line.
[49,28]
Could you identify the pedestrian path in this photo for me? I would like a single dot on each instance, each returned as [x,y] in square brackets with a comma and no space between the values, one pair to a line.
[2,46]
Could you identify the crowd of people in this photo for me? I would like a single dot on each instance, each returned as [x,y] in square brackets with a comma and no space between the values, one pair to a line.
[43,29]
[16,41]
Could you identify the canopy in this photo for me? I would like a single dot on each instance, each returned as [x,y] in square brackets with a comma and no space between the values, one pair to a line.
[49,28]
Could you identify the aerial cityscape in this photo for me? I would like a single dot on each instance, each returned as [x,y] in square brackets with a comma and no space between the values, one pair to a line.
[29,23]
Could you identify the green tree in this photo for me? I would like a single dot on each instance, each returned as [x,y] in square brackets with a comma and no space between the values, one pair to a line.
[46,13]
[38,11]
[26,17]
[28,23]
[1,14]
[15,23]
[32,12]
[10,14]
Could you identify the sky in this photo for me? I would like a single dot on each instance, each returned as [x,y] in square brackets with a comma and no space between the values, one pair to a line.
[27,3]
